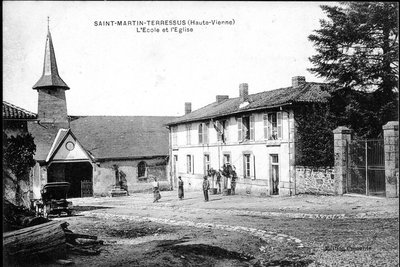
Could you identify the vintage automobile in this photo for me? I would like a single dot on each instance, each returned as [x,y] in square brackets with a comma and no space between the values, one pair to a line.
[54,200]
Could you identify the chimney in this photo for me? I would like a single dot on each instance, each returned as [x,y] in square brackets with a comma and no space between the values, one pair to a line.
[243,92]
[221,98]
[298,81]
[188,107]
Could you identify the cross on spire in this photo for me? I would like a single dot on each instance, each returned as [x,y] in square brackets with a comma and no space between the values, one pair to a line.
[48,23]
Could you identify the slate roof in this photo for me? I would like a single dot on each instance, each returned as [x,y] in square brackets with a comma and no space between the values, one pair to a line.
[307,93]
[110,137]
[13,112]
[50,76]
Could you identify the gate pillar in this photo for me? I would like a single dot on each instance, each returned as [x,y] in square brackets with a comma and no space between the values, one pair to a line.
[341,136]
[391,146]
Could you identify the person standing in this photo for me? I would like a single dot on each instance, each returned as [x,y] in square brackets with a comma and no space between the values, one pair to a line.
[206,186]
[180,188]
[156,190]
[233,182]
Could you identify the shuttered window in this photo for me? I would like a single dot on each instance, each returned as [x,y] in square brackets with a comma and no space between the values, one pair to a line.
[206,126]
[252,134]
[188,134]
[226,131]
[240,129]
[273,126]
[200,133]
[279,124]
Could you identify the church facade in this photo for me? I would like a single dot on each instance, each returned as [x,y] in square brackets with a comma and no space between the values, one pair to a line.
[97,155]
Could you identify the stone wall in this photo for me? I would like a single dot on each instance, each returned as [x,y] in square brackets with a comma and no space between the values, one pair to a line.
[104,175]
[315,181]
[15,190]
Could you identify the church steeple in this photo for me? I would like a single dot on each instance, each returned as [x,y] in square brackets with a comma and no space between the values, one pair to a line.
[50,76]
[52,103]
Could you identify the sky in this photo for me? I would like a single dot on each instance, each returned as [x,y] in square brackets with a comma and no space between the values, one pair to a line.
[122,70]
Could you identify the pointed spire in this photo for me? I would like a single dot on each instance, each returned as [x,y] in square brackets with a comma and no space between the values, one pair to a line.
[50,76]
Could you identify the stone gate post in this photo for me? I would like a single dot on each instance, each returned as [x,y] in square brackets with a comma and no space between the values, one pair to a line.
[342,135]
[391,146]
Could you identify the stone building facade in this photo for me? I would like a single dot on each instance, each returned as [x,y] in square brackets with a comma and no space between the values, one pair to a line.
[255,133]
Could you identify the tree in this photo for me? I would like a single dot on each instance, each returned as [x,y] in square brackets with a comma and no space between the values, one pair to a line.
[357,48]
[314,144]
[18,153]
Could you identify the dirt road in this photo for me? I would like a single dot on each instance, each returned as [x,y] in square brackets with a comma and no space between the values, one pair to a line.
[239,230]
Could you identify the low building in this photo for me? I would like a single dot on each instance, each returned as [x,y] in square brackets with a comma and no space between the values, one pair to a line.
[17,190]
[255,133]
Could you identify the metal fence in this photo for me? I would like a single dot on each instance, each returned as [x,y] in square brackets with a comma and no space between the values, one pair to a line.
[86,189]
[366,167]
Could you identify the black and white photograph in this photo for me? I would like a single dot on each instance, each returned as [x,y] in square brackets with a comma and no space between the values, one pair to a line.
[200,133]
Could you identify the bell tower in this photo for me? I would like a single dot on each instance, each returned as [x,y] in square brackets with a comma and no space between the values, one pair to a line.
[52,104]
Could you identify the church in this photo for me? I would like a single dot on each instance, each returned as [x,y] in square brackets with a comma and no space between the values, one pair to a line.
[97,155]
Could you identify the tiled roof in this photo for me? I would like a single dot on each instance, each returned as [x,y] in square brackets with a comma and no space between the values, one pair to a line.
[44,136]
[309,92]
[11,111]
[111,136]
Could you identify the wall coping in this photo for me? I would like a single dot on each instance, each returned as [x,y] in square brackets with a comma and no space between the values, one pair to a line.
[342,130]
[391,125]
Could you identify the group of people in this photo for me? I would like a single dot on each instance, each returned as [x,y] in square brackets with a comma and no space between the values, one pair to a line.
[156,190]
[206,187]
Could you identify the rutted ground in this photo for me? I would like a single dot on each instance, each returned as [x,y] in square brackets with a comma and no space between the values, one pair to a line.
[239,231]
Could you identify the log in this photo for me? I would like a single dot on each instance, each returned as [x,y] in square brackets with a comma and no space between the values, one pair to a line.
[47,239]
[75,236]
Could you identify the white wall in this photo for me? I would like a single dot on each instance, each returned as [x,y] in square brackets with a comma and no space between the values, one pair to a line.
[260,148]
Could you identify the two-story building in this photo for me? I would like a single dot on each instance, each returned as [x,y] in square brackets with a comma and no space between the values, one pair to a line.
[256,133]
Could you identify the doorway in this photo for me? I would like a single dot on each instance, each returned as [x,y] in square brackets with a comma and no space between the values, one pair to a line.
[74,173]
[174,170]
[274,167]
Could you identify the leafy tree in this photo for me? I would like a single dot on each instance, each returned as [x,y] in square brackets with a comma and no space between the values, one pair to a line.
[357,48]
[314,144]
[18,153]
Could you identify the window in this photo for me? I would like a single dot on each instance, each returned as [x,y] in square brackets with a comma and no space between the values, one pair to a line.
[249,165]
[225,134]
[200,133]
[246,165]
[174,131]
[246,128]
[227,158]
[189,163]
[240,130]
[206,163]
[273,126]
[188,136]
[174,166]
[203,133]
[141,169]
[218,125]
